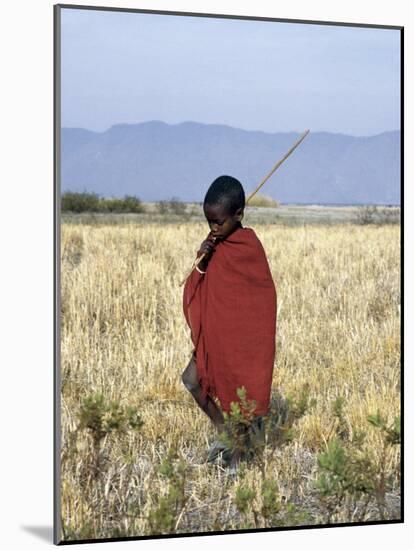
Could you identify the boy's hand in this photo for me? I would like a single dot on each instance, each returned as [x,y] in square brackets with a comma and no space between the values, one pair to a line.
[206,248]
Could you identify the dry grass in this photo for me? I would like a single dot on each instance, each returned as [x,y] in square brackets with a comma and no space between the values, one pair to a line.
[124,334]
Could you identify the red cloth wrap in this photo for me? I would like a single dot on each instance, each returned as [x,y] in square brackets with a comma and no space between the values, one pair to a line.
[231,311]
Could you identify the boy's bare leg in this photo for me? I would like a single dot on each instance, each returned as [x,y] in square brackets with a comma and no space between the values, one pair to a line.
[190,381]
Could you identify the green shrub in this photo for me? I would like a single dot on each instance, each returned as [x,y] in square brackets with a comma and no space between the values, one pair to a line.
[90,202]
[129,204]
[100,417]
[238,424]
[265,507]
[168,508]
[80,202]
[349,477]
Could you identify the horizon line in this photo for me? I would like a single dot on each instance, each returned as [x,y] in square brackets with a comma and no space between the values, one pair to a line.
[225,126]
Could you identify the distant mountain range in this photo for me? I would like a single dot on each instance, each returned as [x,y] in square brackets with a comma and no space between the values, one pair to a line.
[154,161]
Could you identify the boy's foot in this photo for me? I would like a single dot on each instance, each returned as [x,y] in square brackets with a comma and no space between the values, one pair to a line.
[232,472]
[217,448]
[232,462]
[257,432]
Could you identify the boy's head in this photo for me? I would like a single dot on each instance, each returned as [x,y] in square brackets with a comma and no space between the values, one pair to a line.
[224,206]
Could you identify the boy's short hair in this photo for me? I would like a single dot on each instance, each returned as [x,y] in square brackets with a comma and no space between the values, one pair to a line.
[228,191]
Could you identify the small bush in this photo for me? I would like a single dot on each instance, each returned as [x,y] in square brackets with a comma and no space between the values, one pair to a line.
[390,216]
[177,207]
[100,417]
[80,202]
[128,204]
[366,215]
[263,506]
[91,202]
[162,207]
[350,476]
[238,424]
[167,510]
[263,201]
[172,206]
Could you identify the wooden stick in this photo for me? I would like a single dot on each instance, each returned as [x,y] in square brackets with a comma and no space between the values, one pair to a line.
[264,180]
[276,166]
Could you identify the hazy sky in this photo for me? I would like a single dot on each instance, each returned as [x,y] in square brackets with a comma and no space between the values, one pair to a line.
[120,67]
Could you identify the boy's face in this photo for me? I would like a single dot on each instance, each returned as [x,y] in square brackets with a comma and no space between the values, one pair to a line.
[221,222]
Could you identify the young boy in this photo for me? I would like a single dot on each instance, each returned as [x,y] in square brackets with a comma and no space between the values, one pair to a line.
[229,303]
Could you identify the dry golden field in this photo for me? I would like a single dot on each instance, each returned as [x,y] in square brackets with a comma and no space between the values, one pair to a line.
[123,334]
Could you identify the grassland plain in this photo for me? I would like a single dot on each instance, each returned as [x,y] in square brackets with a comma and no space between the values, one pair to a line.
[123,334]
